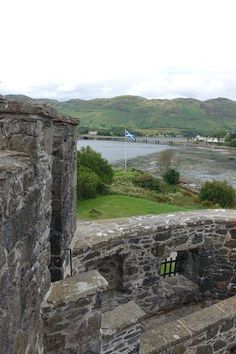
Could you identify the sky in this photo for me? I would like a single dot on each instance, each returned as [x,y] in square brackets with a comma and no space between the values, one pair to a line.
[86,49]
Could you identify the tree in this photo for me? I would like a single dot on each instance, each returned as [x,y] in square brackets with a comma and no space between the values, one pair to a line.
[167,160]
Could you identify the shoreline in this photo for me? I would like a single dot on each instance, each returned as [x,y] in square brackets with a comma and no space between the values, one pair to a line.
[200,162]
[170,141]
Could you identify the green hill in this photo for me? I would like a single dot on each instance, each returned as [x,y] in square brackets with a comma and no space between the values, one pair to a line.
[132,112]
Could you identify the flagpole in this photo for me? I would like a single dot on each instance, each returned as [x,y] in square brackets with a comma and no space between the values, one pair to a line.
[125,154]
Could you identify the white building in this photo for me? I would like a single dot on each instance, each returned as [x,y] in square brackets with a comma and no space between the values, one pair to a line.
[209,139]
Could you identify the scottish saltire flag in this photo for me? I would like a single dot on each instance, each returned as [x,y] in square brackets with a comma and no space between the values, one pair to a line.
[131,136]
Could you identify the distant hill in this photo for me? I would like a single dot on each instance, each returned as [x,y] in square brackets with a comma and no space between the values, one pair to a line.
[181,114]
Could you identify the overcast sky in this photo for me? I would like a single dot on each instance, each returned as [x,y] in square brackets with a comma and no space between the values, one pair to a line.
[103,48]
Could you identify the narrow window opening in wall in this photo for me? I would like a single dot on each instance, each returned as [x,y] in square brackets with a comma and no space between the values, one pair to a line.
[111,268]
[172,265]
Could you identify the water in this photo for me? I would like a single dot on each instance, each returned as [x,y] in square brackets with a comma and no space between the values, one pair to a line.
[198,164]
[114,151]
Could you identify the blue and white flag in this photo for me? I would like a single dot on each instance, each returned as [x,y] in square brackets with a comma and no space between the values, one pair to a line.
[131,136]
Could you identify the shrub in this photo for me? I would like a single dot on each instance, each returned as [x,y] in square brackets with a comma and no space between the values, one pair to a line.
[171,176]
[97,170]
[231,140]
[87,157]
[218,192]
[87,183]
[147,181]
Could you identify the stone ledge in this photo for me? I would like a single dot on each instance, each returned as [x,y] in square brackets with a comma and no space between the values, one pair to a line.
[200,320]
[228,306]
[178,331]
[123,316]
[71,289]
[15,107]
[93,235]
[161,338]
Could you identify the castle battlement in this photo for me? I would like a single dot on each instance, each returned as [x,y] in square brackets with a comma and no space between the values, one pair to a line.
[73,287]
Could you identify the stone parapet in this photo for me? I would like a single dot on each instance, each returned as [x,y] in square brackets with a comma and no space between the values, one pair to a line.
[211,330]
[96,234]
[132,249]
[72,316]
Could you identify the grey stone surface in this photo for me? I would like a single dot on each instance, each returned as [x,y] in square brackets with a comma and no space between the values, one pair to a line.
[228,306]
[205,331]
[72,316]
[26,180]
[71,289]
[121,329]
[158,339]
[136,247]
[203,318]
[63,221]
[123,316]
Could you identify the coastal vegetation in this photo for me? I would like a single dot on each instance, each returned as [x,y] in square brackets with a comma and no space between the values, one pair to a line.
[231,140]
[117,193]
[104,192]
[218,192]
[171,176]
[167,160]
[94,173]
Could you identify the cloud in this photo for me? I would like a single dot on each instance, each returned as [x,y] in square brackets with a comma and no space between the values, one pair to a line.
[105,48]
[164,84]
[185,84]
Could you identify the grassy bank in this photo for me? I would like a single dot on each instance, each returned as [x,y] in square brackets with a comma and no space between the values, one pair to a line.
[115,206]
[124,184]
[125,197]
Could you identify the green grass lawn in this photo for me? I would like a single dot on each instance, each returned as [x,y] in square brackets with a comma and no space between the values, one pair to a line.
[115,206]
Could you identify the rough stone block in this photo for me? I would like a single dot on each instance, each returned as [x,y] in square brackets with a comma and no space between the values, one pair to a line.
[123,316]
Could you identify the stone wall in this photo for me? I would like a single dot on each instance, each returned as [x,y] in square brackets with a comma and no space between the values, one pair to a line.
[143,242]
[63,222]
[72,316]
[23,255]
[26,178]
[208,331]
